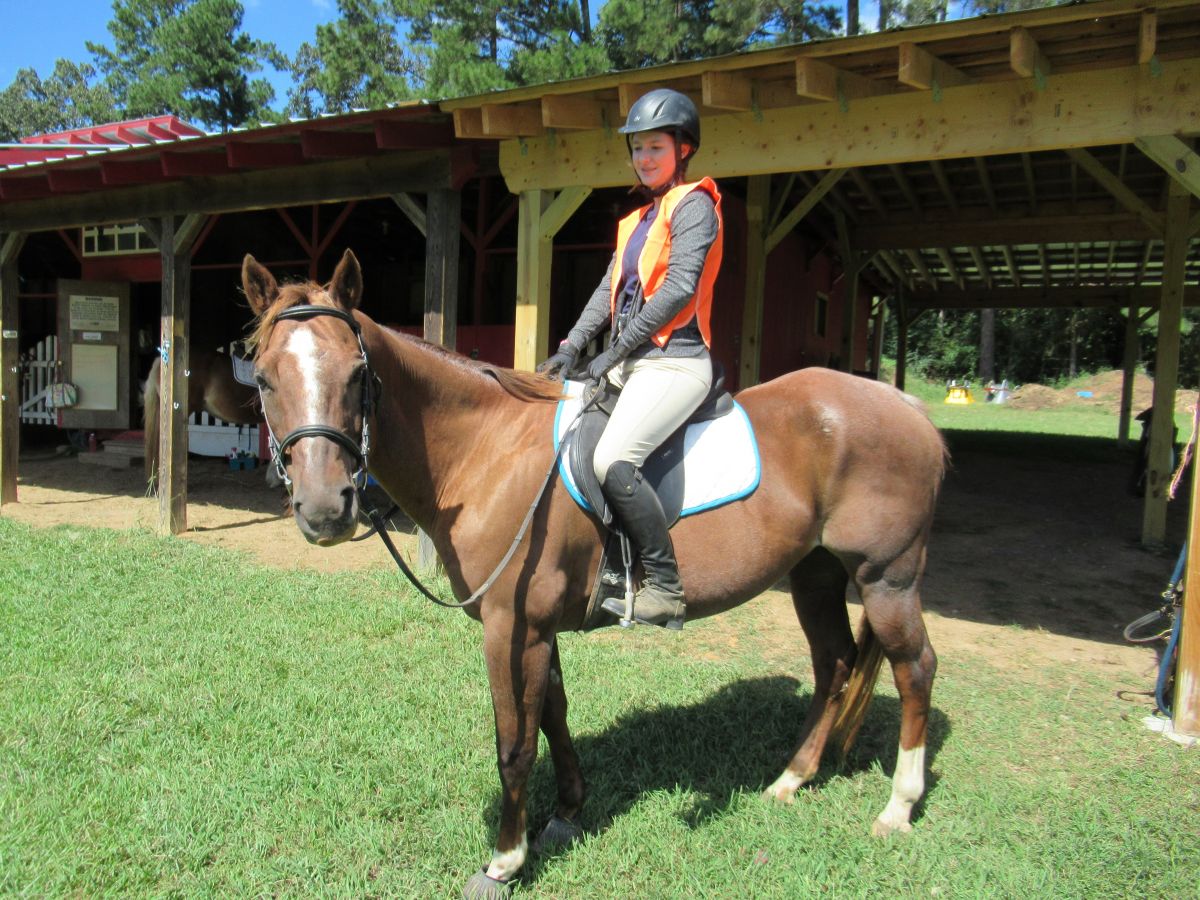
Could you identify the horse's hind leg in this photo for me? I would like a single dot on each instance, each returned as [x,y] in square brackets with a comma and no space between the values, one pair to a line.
[563,828]
[892,605]
[819,594]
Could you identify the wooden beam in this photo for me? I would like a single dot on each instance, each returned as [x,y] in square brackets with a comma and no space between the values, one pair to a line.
[951,269]
[1129,361]
[181,164]
[393,135]
[975,231]
[117,174]
[894,264]
[261,155]
[187,231]
[986,182]
[914,257]
[468,123]
[1166,366]
[1046,297]
[560,210]
[173,385]
[501,120]
[727,90]
[758,203]
[1026,58]
[868,190]
[902,322]
[72,180]
[1117,188]
[817,80]
[534,254]
[1014,272]
[628,93]
[905,188]
[1030,182]
[567,112]
[981,266]
[317,144]
[10,354]
[1077,109]
[920,69]
[1175,157]
[413,209]
[328,182]
[939,175]
[803,208]
[852,266]
[443,215]
[1147,36]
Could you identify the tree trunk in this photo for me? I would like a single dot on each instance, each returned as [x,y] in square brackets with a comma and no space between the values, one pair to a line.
[987,345]
[1074,352]
[585,19]
[851,17]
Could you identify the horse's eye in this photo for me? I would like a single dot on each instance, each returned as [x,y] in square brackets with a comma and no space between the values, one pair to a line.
[263,384]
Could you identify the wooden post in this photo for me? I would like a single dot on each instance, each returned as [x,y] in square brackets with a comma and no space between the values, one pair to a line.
[175,250]
[852,265]
[901,336]
[1185,708]
[877,348]
[1166,365]
[10,348]
[534,254]
[540,216]
[758,201]
[1128,370]
[443,214]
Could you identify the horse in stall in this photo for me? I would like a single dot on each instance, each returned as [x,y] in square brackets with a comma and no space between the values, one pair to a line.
[850,474]
[211,389]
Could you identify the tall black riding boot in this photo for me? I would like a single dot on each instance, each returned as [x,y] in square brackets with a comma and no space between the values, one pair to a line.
[636,505]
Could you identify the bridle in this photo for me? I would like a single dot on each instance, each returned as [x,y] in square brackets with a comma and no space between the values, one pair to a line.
[371,389]
[359,451]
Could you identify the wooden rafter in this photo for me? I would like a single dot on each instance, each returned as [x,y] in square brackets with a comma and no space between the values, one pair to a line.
[939,174]
[817,80]
[1030,182]
[986,182]
[951,269]
[905,188]
[1053,296]
[511,120]
[726,90]
[920,69]
[1013,272]
[981,266]
[868,191]
[1147,36]
[566,112]
[914,257]
[1175,157]
[803,208]
[1041,253]
[1026,58]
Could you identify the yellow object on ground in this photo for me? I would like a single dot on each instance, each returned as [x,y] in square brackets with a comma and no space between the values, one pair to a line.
[958,394]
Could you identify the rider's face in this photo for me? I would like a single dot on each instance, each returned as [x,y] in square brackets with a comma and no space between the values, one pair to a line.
[653,154]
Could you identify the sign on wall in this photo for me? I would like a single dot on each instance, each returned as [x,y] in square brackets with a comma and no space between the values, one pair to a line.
[92,313]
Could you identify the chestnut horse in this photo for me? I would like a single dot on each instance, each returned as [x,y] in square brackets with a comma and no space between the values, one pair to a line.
[211,389]
[850,475]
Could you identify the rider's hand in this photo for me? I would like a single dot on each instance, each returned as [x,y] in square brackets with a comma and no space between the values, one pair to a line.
[559,365]
[599,366]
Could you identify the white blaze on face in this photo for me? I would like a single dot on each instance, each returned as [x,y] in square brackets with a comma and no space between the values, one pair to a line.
[303,347]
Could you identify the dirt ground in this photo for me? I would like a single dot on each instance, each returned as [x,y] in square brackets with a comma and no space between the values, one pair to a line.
[1105,389]
[1032,560]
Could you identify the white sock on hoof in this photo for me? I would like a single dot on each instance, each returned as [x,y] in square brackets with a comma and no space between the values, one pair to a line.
[908,784]
[507,864]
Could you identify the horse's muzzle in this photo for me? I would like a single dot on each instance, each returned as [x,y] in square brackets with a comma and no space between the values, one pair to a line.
[326,517]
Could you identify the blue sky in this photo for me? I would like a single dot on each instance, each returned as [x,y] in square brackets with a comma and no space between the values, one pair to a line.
[35,33]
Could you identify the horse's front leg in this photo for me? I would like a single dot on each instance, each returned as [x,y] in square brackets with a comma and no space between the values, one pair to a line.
[563,828]
[518,661]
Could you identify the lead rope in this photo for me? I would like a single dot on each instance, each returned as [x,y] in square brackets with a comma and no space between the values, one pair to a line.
[377,520]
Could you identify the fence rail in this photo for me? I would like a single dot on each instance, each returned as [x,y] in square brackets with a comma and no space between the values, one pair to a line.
[39,368]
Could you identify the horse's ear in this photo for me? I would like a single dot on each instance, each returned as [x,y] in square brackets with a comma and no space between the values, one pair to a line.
[259,285]
[346,286]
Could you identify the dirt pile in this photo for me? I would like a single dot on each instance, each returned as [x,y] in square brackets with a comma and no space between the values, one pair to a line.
[1105,393]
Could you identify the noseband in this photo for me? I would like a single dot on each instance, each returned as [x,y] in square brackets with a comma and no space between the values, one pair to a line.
[360,450]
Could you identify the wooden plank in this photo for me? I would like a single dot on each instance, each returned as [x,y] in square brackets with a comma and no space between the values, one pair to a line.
[444,214]
[331,182]
[628,93]
[1114,297]
[852,267]
[939,175]
[1077,109]
[572,112]
[1129,363]
[532,338]
[803,208]
[951,268]
[512,120]
[726,90]
[187,231]
[981,266]
[413,209]
[173,387]
[818,80]
[1166,367]
[10,386]
[1147,36]
[1175,157]
[1117,188]
[1025,57]
[758,203]
[902,322]
[968,232]
[1014,271]
[921,69]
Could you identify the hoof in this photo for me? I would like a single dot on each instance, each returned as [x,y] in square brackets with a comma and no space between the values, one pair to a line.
[882,828]
[558,834]
[480,887]
[779,797]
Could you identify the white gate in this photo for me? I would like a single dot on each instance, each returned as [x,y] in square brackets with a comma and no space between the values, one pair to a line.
[209,436]
[39,368]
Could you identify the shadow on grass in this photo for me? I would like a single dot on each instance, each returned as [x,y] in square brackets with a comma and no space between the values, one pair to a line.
[735,741]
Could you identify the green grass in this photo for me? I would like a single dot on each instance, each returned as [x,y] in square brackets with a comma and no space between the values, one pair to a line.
[175,721]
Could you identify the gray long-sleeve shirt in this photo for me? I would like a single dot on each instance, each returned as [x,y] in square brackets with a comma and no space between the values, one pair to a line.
[693,230]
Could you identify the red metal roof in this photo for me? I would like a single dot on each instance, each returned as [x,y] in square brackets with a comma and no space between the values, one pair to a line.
[135,132]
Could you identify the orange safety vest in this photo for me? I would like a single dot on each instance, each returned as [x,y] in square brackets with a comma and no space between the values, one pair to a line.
[652,264]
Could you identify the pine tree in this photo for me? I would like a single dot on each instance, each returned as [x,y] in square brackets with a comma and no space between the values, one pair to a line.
[186,57]
[68,98]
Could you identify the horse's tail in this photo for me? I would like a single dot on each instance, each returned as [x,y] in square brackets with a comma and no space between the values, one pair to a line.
[860,688]
[150,423]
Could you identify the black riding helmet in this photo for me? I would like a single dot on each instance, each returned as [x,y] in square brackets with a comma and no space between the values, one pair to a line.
[663,109]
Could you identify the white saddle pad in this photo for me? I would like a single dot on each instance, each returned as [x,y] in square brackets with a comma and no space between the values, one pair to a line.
[720,457]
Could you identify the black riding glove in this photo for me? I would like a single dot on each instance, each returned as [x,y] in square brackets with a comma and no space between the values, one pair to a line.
[559,365]
[599,366]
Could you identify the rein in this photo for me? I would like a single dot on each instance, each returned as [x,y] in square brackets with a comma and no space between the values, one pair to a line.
[361,451]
